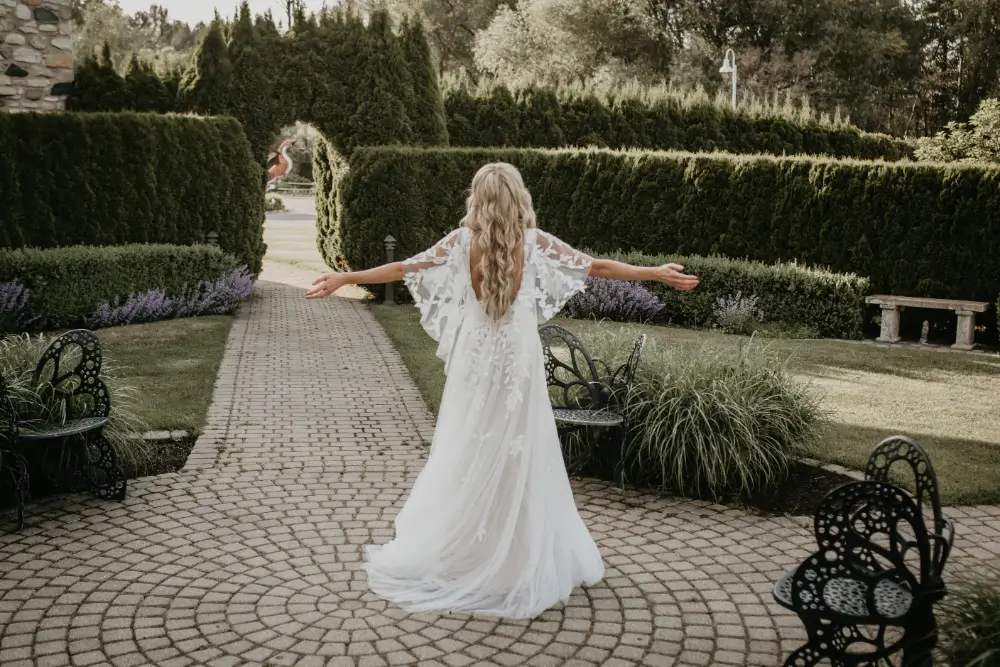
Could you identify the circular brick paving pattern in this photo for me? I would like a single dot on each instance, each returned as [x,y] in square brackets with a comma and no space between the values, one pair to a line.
[251,555]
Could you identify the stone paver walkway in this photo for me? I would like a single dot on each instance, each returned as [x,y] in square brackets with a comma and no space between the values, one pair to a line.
[250,555]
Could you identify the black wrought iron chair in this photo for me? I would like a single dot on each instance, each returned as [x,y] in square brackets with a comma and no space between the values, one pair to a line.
[87,404]
[13,467]
[587,402]
[866,595]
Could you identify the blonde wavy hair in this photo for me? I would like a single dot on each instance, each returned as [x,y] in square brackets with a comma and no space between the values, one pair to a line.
[498,211]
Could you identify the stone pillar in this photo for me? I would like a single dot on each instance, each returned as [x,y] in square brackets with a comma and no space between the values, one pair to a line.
[890,325]
[965,332]
[36,54]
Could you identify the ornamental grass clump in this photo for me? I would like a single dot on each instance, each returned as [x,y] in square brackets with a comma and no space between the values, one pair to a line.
[970,621]
[615,300]
[711,421]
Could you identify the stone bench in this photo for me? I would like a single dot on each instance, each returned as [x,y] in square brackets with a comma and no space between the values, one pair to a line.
[966,310]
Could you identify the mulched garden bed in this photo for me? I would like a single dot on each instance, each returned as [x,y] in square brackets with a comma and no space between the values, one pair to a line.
[799,495]
[162,456]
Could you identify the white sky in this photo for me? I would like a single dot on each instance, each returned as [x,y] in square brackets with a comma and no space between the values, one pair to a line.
[193,11]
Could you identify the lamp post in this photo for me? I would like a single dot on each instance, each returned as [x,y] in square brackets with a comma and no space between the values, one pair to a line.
[390,288]
[729,67]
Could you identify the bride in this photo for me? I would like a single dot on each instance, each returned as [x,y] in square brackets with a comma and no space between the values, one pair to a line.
[490,526]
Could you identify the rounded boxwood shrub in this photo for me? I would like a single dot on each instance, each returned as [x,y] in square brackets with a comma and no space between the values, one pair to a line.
[103,286]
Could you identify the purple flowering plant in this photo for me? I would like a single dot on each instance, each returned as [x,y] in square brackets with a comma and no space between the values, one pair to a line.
[13,301]
[616,300]
[206,298]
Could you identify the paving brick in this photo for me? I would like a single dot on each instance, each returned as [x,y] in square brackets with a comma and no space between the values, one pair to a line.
[251,553]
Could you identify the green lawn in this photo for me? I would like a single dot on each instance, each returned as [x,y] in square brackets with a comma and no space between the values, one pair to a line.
[947,401]
[173,365]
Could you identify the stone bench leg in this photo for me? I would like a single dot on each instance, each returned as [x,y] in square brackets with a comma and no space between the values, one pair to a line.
[965,332]
[890,325]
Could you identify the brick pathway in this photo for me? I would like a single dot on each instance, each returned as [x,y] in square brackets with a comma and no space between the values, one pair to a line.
[250,555]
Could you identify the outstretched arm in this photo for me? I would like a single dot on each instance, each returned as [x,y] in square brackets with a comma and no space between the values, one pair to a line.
[326,285]
[671,274]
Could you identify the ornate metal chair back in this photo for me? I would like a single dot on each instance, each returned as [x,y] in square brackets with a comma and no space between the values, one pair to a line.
[79,383]
[900,449]
[865,530]
[573,373]
[623,378]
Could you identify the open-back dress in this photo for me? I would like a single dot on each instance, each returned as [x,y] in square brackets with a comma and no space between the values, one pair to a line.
[490,526]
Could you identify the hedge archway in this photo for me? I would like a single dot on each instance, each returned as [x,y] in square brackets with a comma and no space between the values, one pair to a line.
[358,82]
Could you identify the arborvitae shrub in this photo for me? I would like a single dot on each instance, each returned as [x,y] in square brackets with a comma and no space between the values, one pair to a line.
[540,117]
[117,178]
[911,229]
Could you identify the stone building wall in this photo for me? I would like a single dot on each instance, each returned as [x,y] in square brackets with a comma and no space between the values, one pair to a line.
[36,54]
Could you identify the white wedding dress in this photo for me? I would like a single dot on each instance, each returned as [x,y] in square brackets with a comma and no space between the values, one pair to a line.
[490,526]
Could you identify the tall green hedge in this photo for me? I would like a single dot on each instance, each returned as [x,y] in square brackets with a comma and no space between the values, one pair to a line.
[912,229]
[539,117]
[116,178]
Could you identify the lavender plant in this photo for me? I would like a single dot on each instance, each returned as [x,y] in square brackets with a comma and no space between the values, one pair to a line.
[614,300]
[218,297]
[738,314]
[206,298]
[13,300]
[136,308]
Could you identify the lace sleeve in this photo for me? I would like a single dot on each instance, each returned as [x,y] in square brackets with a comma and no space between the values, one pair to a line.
[560,272]
[435,280]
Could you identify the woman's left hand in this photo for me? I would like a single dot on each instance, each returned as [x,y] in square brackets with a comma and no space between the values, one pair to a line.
[326,285]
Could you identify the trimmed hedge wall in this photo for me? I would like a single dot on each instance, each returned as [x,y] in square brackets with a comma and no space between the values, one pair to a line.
[65,285]
[797,297]
[911,229]
[115,178]
[541,117]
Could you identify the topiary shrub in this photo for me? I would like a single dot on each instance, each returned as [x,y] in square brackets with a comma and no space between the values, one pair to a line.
[118,178]
[105,286]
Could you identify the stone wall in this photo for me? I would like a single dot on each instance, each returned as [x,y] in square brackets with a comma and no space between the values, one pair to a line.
[36,54]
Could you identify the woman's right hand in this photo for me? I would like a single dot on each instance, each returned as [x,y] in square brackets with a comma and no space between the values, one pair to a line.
[672,274]
[326,285]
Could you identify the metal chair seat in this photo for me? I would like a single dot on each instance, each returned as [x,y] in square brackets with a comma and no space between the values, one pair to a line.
[596,418]
[70,428]
[846,597]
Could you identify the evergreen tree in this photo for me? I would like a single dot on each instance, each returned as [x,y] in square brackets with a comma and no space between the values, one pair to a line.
[113,85]
[380,115]
[85,95]
[207,85]
[172,84]
[251,98]
[97,86]
[144,91]
[427,112]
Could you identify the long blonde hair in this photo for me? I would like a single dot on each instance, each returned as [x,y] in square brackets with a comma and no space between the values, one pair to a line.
[498,211]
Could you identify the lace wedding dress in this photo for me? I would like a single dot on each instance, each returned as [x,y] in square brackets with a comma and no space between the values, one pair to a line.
[490,525]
